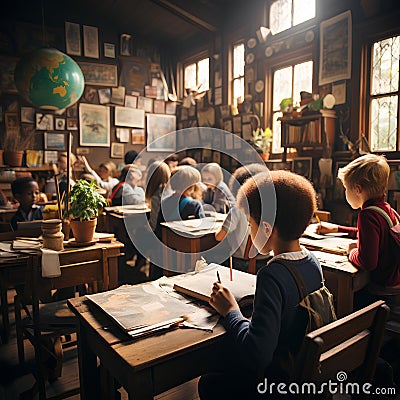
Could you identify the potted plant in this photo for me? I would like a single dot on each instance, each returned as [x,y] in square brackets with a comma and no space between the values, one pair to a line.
[84,204]
[262,140]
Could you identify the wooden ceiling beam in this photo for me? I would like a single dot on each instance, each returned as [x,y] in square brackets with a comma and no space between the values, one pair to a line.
[187,16]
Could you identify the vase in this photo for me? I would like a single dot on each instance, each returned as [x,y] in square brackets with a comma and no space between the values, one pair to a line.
[264,156]
[83,231]
[13,158]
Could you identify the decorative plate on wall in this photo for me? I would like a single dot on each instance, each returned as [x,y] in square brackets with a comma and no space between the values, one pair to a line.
[250,58]
[268,51]
[259,87]
[251,43]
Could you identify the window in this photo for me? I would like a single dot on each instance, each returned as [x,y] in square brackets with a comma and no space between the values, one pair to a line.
[288,82]
[197,75]
[384,94]
[283,14]
[238,74]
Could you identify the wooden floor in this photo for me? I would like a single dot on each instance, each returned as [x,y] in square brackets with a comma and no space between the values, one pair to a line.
[15,379]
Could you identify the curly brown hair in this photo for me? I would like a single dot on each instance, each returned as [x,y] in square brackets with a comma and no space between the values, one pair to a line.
[294,196]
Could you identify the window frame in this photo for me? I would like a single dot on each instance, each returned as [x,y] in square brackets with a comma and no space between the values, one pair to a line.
[365,90]
[195,60]
[232,77]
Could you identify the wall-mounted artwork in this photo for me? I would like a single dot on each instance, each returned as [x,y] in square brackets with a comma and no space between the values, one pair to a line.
[303,166]
[125,45]
[99,74]
[161,135]
[109,50]
[94,122]
[44,122]
[73,39]
[117,150]
[90,41]
[135,74]
[138,136]
[54,141]
[131,117]
[335,49]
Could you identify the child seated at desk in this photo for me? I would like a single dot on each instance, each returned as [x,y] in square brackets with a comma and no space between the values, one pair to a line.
[26,192]
[185,202]
[365,180]
[218,193]
[126,192]
[256,348]
[235,230]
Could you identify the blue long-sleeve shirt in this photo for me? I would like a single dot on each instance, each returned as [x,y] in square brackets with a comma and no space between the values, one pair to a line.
[278,324]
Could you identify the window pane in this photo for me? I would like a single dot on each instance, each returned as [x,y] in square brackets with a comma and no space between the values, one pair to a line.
[203,74]
[280,15]
[302,80]
[385,66]
[303,10]
[238,60]
[282,86]
[238,90]
[276,133]
[383,125]
[190,76]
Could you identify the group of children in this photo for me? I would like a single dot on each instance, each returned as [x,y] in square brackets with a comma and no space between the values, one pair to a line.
[274,208]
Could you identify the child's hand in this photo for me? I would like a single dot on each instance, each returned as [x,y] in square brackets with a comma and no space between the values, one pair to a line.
[222,299]
[352,245]
[326,227]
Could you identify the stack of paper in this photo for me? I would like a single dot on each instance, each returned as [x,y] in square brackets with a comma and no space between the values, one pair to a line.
[26,244]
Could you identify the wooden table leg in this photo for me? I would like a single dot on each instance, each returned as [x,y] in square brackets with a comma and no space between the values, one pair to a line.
[345,296]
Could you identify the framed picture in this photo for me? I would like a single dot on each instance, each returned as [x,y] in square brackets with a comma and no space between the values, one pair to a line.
[104,96]
[90,95]
[135,74]
[138,136]
[109,50]
[54,141]
[159,106]
[34,158]
[73,39]
[94,123]
[28,115]
[303,166]
[131,101]
[50,157]
[60,124]
[72,124]
[131,117]
[44,122]
[145,103]
[122,134]
[90,41]
[11,123]
[159,136]
[117,150]
[150,91]
[335,49]
[125,45]
[118,95]
[72,112]
[170,108]
[99,74]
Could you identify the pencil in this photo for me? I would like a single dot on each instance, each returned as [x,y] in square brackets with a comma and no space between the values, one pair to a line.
[318,220]
[230,268]
[218,277]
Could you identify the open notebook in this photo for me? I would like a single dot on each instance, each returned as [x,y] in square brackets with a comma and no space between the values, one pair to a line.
[199,285]
[142,309]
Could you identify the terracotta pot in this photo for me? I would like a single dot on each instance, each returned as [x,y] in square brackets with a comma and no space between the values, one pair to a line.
[66,228]
[13,158]
[264,156]
[83,231]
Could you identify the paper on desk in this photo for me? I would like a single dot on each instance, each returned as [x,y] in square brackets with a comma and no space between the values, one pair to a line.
[50,264]
[26,244]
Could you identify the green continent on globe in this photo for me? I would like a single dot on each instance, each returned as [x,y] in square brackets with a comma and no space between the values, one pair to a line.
[49,79]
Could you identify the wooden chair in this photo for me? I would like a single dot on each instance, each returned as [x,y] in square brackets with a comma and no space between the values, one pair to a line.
[350,345]
[324,216]
[43,324]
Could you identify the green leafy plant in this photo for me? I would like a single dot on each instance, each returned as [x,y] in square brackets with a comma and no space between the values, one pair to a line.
[85,201]
[262,139]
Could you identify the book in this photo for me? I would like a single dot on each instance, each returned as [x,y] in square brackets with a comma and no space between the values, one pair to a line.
[199,285]
[142,309]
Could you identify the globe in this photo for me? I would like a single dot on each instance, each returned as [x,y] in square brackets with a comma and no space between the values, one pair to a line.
[49,79]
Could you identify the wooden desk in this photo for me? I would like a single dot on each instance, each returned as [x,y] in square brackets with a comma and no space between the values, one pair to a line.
[144,367]
[13,273]
[184,242]
[343,280]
